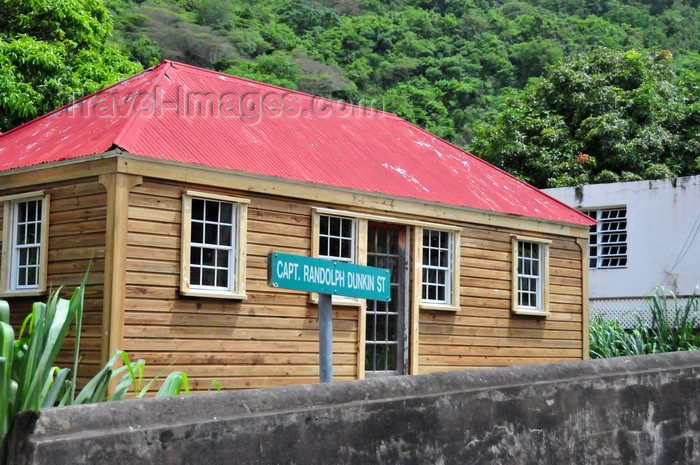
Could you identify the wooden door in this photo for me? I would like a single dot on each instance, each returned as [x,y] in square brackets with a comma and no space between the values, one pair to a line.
[387,323]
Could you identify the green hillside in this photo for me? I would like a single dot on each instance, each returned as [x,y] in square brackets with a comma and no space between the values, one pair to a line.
[439,64]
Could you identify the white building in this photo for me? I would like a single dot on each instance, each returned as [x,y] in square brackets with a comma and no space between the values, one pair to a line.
[648,234]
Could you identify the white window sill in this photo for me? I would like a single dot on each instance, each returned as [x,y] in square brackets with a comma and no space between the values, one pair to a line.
[531,312]
[214,294]
[23,293]
[441,307]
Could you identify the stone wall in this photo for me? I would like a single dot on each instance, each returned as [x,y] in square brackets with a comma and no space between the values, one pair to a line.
[629,410]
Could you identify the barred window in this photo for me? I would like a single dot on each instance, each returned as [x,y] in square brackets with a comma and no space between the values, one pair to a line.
[608,239]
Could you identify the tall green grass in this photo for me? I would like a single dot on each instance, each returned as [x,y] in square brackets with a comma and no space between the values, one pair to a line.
[674,327]
[30,379]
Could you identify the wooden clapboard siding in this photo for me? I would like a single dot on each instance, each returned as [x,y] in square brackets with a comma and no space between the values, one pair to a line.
[77,223]
[485,332]
[76,241]
[268,339]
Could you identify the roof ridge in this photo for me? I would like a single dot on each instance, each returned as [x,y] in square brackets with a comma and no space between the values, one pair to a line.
[132,117]
[196,69]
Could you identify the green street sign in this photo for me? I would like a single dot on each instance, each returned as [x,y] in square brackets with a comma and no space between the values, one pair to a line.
[328,277]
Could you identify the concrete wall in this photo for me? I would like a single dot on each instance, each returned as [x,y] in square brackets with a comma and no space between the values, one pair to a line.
[634,410]
[663,238]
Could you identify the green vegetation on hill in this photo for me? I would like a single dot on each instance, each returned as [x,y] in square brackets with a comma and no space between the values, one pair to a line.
[603,117]
[452,67]
[51,51]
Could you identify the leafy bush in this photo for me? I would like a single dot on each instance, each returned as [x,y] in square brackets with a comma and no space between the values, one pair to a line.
[673,324]
[29,379]
[673,327]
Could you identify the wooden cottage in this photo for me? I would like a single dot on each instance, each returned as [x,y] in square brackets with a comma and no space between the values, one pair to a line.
[177,182]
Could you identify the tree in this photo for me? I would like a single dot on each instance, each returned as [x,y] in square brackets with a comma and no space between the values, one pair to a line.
[273,69]
[52,50]
[599,117]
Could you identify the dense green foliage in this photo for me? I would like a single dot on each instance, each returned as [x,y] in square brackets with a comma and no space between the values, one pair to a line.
[604,117]
[29,379]
[674,327]
[51,51]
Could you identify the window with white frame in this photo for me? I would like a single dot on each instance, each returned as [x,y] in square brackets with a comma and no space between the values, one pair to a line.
[25,236]
[530,276]
[437,266]
[607,244]
[337,238]
[213,245]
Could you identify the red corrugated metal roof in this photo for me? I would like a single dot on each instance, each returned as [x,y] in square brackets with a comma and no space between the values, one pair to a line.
[186,114]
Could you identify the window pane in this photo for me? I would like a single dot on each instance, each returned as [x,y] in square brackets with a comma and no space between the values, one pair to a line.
[371,335]
[370,356]
[33,256]
[222,278]
[381,328]
[211,233]
[198,233]
[197,209]
[208,276]
[222,258]
[381,357]
[334,247]
[391,357]
[225,235]
[31,234]
[195,276]
[31,211]
[346,227]
[21,234]
[392,326]
[227,212]
[208,257]
[211,211]
[346,251]
[196,255]
[32,276]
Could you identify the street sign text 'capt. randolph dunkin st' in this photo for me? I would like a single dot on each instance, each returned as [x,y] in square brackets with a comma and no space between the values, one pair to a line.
[328,277]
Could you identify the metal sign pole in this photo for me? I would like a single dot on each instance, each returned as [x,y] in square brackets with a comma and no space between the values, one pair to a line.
[325,339]
[327,278]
